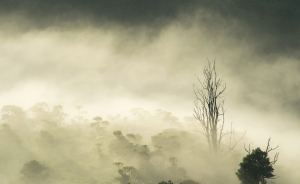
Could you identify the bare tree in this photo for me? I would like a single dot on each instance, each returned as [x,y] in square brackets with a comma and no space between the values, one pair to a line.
[209,110]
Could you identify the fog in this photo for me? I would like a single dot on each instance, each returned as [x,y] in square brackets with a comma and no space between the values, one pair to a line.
[124,69]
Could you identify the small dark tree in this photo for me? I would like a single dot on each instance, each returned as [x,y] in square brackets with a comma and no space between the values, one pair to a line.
[118,134]
[256,166]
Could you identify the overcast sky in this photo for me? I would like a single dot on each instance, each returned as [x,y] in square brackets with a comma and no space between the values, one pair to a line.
[148,55]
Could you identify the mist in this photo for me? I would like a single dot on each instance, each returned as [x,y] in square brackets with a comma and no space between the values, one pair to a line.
[134,65]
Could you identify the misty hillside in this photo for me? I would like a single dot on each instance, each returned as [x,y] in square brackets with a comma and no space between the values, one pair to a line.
[38,145]
[155,147]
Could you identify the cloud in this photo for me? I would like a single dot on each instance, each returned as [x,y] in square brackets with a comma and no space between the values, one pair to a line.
[92,64]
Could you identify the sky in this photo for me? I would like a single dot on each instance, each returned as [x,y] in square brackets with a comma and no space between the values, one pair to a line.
[111,56]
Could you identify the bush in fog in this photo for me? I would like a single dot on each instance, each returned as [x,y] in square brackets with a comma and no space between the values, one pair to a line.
[33,171]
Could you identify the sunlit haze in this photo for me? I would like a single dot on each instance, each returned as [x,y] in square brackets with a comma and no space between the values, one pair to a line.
[147,55]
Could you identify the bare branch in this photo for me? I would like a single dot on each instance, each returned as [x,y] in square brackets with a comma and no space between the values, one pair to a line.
[275,158]
[269,148]
[248,151]
[231,147]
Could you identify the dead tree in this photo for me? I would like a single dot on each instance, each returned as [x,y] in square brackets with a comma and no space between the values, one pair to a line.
[209,110]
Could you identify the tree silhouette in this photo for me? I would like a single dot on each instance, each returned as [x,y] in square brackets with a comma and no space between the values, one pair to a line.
[209,110]
[79,107]
[256,166]
[80,118]
[118,164]
[173,161]
[123,178]
[118,134]
[105,123]
[98,120]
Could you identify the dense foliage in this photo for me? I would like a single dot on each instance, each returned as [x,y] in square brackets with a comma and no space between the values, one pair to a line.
[255,168]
